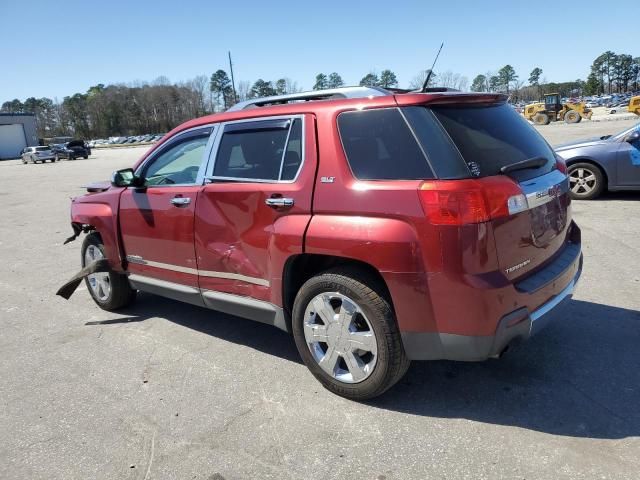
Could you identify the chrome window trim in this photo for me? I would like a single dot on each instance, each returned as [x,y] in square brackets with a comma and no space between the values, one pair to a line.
[138,260]
[176,138]
[211,164]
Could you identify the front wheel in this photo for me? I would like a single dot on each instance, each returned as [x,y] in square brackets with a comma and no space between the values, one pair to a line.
[346,333]
[541,119]
[110,290]
[586,181]
[572,117]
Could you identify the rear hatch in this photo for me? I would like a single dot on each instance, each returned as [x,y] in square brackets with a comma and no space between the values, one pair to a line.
[513,168]
[43,151]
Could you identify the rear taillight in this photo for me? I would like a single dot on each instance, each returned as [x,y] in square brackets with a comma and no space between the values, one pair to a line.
[459,202]
[560,165]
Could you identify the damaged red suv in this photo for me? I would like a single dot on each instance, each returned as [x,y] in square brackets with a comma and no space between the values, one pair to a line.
[377,227]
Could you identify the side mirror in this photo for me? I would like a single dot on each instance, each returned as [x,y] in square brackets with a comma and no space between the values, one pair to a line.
[633,137]
[126,178]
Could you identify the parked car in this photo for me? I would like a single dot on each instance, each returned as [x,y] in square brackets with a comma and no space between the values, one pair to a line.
[71,150]
[620,108]
[354,223]
[611,162]
[37,154]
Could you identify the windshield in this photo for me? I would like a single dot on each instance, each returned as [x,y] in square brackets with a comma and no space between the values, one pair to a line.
[42,149]
[625,133]
[492,137]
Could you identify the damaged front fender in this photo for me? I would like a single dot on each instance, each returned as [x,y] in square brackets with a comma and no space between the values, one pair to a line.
[68,288]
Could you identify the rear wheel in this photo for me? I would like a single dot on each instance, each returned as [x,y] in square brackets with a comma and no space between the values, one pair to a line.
[86,157]
[572,117]
[110,290]
[541,119]
[346,334]
[586,181]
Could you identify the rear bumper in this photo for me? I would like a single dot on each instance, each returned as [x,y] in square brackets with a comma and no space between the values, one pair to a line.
[513,328]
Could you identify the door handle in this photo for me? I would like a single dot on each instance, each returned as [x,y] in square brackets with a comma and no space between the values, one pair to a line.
[180,201]
[276,202]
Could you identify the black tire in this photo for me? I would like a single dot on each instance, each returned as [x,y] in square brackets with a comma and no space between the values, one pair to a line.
[541,119]
[356,284]
[86,157]
[121,294]
[572,117]
[590,190]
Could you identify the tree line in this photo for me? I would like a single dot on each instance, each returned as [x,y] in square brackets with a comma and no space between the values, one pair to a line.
[609,73]
[158,106]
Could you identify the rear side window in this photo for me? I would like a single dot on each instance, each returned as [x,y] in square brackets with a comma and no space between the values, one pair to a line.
[268,150]
[491,137]
[380,146]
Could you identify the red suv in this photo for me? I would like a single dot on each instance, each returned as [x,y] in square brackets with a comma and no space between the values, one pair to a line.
[377,227]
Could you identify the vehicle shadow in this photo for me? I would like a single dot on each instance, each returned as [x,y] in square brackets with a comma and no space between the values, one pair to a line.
[579,377]
[261,337]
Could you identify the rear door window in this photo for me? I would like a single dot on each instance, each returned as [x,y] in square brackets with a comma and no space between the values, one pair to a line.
[379,145]
[491,137]
[263,150]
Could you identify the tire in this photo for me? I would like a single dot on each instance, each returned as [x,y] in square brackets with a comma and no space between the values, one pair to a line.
[586,181]
[379,364]
[24,162]
[572,117]
[541,119]
[86,157]
[111,291]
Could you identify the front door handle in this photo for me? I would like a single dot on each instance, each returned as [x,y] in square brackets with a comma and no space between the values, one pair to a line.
[180,201]
[279,202]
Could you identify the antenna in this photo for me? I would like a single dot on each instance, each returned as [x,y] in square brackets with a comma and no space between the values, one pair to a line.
[233,83]
[426,82]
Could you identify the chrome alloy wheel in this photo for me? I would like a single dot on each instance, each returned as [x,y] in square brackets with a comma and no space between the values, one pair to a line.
[99,282]
[340,337]
[582,181]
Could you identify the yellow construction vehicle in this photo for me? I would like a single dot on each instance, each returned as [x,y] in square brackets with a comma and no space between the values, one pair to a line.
[634,105]
[553,110]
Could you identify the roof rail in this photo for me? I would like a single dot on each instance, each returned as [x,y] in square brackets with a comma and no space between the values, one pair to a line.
[333,93]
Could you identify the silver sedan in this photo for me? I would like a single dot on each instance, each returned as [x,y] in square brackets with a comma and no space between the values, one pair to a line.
[611,162]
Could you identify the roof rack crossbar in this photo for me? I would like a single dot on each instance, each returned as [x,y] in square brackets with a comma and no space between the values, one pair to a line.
[343,92]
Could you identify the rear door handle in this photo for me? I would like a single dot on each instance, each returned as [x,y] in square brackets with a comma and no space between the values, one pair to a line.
[276,202]
[180,201]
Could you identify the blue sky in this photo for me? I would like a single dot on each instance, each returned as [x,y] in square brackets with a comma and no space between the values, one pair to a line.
[72,45]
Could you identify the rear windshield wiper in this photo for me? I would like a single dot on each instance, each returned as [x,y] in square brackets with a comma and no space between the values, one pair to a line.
[534,162]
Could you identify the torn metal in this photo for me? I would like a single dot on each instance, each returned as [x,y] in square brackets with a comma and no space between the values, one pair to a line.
[98,266]
[77,230]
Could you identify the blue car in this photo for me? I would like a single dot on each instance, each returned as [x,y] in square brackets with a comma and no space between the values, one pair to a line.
[611,162]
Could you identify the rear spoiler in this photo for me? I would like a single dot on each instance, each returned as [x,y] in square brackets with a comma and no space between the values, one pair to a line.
[451,98]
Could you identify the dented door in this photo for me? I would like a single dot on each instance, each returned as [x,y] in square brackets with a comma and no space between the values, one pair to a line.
[253,212]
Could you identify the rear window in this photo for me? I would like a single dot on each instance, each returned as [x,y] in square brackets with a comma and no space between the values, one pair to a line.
[491,137]
[380,146]
[42,149]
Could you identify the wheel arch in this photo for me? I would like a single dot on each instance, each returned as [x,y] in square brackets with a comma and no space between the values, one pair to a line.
[101,218]
[301,267]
